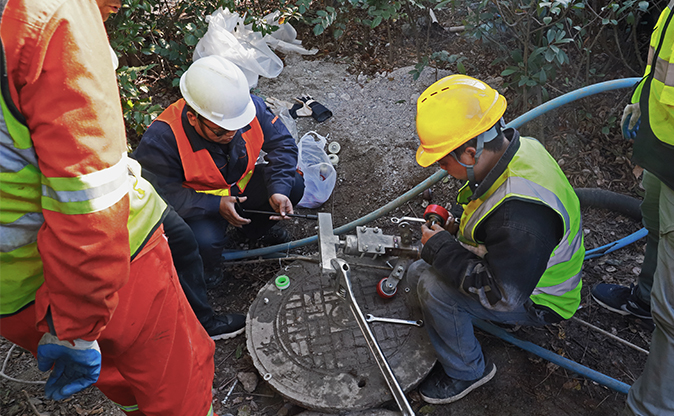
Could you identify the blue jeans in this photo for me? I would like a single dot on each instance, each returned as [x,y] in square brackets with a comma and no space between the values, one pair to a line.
[211,231]
[447,316]
[651,394]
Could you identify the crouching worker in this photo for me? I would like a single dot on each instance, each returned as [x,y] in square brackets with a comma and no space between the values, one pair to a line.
[203,150]
[515,257]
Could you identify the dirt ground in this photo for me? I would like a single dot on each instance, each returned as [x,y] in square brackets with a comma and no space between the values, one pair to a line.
[373,121]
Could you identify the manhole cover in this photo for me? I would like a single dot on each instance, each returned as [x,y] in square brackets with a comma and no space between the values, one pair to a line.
[305,341]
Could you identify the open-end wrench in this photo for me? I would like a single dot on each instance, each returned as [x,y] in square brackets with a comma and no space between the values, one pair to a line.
[371,318]
[413,219]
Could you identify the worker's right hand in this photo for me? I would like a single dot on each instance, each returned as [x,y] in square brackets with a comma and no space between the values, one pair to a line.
[427,233]
[76,365]
[228,210]
[630,121]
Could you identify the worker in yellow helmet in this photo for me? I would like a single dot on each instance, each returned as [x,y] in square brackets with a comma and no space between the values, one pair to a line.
[516,254]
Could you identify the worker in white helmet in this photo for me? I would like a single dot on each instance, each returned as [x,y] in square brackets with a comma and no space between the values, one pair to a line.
[515,256]
[201,153]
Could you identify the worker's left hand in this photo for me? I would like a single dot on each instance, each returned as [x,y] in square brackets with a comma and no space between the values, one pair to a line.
[281,204]
[427,233]
[630,121]
[452,225]
[76,365]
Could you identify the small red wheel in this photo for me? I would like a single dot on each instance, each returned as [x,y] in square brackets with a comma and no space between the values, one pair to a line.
[382,290]
[433,211]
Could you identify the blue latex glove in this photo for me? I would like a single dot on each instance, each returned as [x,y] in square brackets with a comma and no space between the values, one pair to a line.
[630,121]
[76,367]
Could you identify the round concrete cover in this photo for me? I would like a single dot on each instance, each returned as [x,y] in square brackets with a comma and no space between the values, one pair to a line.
[305,341]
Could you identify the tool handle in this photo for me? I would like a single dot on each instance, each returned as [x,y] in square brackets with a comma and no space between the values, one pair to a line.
[254,211]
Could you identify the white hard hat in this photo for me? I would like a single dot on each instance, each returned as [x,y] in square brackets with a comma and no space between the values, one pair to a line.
[217,89]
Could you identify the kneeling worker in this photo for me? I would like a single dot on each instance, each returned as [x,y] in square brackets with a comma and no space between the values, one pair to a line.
[202,151]
[516,255]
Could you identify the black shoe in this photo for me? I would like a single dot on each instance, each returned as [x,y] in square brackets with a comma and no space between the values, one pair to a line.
[621,299]
[214,277]
[225,326]
[439,388]
[276,235]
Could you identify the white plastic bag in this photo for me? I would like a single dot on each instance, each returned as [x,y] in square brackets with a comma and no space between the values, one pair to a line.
[284,39]
[319,174]
[228,37]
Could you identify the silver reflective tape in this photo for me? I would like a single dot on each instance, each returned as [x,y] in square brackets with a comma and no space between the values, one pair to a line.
[85,194]
[13,159]
[103,187]
[566,250]
[20,232]
[559,289]
[518,186]
[664,72]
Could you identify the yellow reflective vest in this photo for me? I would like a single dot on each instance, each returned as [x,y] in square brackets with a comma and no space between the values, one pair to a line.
[654,144]
[533,175]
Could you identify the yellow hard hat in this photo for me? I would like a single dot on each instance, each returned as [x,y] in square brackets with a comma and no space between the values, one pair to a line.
[452,111]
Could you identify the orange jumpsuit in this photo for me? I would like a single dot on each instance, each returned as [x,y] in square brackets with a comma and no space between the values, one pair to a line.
[157,359]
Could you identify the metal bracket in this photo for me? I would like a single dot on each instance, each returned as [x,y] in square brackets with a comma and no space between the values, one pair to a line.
[328,242]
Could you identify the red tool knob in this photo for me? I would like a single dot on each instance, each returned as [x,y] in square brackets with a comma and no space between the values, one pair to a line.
[436,214]
[384,291]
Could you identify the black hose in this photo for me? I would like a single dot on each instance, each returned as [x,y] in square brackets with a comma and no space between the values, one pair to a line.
[601,198]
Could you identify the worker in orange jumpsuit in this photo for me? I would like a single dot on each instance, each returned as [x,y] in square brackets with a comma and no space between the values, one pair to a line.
[87,281]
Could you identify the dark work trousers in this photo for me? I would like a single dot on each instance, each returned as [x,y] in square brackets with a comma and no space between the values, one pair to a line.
[211,231]
[188,264]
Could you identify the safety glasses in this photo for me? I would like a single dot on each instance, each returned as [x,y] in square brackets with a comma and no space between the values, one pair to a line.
[217,132]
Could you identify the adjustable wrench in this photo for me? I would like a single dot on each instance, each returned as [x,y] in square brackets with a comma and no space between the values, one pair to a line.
[371,318]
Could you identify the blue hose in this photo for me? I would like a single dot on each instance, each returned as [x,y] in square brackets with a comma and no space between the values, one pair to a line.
[571,365]
[427,183]
[436,177]
[573,96]
[439,175]
[600,251]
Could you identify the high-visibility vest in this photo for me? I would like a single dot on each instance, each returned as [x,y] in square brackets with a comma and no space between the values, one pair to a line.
[533,175]
[654,144]
[26,192]
[201,173]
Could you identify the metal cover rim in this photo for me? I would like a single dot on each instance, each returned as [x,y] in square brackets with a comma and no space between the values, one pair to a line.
[306,344]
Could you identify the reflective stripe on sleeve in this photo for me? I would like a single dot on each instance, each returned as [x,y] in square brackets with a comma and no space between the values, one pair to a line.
[88,193]
[128,409]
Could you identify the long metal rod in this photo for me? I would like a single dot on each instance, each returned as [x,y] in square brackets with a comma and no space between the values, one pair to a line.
[255,211]
[610,335]
[343,273]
